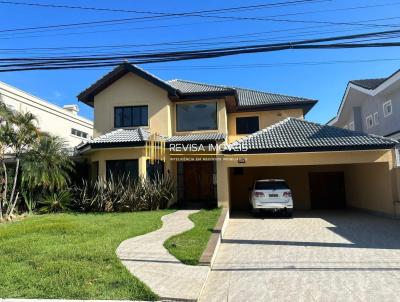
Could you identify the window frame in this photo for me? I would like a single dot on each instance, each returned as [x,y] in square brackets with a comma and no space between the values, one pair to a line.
[385,105]
[125,161]
[79,133]
[247,117]
[369,117]
[196,103]
[131,125]
[375,118]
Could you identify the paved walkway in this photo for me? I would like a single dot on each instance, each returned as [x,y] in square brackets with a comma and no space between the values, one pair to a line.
[323,256]
[147,259]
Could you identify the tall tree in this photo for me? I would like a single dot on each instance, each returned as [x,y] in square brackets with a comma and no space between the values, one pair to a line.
[18,133]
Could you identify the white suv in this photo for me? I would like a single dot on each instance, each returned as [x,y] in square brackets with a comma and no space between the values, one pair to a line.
[271,194]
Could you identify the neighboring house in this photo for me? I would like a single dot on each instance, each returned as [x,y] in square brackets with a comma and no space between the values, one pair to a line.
[64,122]
[248,135]
[371,106]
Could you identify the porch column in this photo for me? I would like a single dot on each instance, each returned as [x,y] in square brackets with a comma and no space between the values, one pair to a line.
[222,184]
[142,166]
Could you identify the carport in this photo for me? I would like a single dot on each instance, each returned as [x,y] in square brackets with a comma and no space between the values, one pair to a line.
[325,167]
[320,186]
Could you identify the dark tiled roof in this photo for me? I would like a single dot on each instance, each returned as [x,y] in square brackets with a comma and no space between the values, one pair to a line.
[139,136]
[296,135]
[247,98]
[120,136]
[194,87]
[181,89]
[253,98]
[369,83]
[201,137]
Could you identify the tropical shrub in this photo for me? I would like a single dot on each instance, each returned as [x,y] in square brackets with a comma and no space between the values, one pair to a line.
[123,194]
[56,202]
[47,164]
[32,164]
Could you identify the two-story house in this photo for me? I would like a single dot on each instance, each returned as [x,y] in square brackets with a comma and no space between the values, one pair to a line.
[371,106]
[63,122]
[248,135]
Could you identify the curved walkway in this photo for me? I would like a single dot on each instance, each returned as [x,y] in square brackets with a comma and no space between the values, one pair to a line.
[146,258]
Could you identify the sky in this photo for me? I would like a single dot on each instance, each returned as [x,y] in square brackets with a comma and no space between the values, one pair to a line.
[316,74]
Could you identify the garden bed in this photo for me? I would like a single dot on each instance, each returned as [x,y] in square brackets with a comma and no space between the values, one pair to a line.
[190,245]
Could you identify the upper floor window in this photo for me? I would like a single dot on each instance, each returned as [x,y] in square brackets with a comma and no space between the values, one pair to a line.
[196,116]
[247,125]
[131,116]
[387,108]
[370,122]
[376,119]
[79,133]
[351,126]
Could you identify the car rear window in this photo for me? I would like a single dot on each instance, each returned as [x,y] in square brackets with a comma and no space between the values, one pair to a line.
[271,185]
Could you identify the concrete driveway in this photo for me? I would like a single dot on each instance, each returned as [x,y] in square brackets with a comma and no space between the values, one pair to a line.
[316,256]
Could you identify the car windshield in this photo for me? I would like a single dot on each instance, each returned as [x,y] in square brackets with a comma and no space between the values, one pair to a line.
[271,185]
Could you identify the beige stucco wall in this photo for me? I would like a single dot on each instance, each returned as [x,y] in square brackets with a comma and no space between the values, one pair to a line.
[266,118]
[369,186]
[131,90]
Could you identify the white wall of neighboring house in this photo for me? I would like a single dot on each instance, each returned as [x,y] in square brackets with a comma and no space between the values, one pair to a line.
[51,118]
[365,109]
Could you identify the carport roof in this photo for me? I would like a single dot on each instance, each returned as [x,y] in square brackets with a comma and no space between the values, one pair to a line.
[297,135]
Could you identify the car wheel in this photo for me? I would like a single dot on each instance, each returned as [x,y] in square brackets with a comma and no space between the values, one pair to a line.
[289,213]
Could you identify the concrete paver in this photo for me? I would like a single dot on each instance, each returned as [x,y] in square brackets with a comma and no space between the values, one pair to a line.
[146,258]
[316,256]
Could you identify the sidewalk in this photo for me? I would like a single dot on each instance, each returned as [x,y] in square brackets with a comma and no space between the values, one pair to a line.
[147,259]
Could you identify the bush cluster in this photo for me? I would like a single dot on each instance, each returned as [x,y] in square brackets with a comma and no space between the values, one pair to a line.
[123,194]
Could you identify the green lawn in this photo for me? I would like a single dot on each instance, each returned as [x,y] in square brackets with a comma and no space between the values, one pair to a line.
[72,256]
[189,246]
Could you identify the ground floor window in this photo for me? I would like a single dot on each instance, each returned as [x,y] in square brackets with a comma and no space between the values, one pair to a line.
[155,169]
[121,168]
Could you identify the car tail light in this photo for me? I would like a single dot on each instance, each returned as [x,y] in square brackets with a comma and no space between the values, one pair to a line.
[258,194]
[287,194]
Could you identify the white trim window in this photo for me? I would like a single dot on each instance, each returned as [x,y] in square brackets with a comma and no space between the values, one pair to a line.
[369,121]
[376,119]
[397,149]
[351,126]
[387,108]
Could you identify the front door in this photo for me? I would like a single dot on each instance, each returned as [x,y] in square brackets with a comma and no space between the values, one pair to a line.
[327,190]
[198,181]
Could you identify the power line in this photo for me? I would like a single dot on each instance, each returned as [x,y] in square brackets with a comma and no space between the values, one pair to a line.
[157,14]
[276,4]
[18,64]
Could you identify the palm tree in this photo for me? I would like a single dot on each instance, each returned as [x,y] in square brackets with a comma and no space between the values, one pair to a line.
[17,133]
[5,113]
[52,170]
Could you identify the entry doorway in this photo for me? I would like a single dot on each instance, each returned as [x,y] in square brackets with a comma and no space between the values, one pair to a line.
[198,183]
[327,190]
